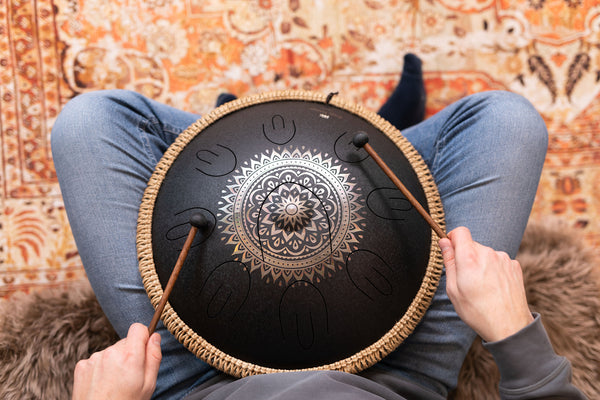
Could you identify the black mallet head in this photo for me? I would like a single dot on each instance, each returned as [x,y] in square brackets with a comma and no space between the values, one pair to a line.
[360,139]
[199,221]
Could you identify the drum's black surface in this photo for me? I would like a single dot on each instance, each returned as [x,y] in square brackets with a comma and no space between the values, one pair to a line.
[312,253]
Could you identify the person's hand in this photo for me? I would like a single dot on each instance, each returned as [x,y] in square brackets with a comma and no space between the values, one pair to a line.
[125,370]
[485,286]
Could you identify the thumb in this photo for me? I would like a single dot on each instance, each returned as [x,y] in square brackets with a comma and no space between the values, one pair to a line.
[153,358]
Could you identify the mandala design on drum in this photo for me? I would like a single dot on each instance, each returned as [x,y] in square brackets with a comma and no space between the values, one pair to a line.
[292,214]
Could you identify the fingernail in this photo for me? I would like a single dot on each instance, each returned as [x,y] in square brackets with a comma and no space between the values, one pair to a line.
[444,245]
[155,339]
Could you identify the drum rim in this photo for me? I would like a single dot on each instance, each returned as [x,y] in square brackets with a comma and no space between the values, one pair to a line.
[240,368]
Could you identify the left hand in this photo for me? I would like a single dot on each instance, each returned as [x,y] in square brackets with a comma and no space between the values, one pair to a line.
[126,370]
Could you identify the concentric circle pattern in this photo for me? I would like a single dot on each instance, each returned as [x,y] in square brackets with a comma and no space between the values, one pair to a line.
[293,214]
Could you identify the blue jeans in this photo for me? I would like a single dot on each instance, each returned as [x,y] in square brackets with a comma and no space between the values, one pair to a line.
[485,152]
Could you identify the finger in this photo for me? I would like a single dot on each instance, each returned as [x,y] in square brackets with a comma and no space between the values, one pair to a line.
[153,358]
[517,270]
[450,264]
[466,250]
[460,235]
[504,257]
[136,341]
[138,336]
[447,253]
[517,273]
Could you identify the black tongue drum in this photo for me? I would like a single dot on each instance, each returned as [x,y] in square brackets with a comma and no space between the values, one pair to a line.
[272,237]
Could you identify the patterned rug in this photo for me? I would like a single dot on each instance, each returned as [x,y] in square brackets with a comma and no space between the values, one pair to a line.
[185,53]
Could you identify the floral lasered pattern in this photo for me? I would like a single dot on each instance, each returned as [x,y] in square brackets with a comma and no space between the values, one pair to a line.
[293,214]
[185,53]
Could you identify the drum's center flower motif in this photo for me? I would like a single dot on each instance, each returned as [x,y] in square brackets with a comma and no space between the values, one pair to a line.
[291,211]
[292,214]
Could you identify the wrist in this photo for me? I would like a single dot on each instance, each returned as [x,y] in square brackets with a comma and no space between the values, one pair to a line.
[525,357]
[506,329]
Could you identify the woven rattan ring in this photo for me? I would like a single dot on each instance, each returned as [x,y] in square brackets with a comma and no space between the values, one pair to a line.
[309,257]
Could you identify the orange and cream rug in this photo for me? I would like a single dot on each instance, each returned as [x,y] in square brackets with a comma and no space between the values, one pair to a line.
[185,52]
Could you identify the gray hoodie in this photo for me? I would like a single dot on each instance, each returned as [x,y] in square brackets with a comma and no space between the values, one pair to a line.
[529,369]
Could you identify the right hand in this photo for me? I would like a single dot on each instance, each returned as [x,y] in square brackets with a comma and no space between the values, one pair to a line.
[485,286]
[126,370]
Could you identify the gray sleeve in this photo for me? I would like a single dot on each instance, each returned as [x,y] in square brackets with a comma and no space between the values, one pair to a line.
[529,367]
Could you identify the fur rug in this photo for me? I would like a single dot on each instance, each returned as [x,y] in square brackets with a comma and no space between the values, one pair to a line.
[42,335]
[562,283]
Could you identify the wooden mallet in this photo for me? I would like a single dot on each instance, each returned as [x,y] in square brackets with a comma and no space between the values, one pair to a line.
[197,222]
[361,140]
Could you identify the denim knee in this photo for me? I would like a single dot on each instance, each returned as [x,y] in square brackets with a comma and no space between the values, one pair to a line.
[513,119]
[82,118]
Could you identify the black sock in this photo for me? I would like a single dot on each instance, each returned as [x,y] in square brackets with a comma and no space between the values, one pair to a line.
[224,98]
[406,106]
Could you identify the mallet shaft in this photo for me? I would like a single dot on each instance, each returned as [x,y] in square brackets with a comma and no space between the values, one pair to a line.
[436,228]
[172,279]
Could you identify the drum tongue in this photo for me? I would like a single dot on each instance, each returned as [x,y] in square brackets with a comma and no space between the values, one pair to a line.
[198,223]
[361,140]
